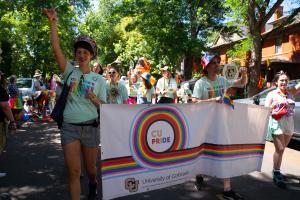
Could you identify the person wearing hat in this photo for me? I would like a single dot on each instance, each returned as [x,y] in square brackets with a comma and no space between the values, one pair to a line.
[166,87]
[146,92]
[211,88]
[38,84]
[40,94]
[80,132]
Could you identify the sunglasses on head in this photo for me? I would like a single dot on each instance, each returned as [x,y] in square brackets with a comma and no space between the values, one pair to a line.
[112,72]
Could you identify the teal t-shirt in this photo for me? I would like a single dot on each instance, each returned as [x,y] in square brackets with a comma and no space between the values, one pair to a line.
[78,107]
[206,89]
[116,94]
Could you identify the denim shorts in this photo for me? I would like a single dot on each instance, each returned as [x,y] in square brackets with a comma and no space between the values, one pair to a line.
[89,136]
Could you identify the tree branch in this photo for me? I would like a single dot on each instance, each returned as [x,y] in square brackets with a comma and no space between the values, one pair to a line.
[271,12]
[201,3]
[251,16]
[260,10]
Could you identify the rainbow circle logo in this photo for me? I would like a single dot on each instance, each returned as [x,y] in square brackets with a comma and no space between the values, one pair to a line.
[158,135]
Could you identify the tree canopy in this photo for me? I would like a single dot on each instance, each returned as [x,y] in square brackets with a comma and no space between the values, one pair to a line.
[24,38]
[166,32]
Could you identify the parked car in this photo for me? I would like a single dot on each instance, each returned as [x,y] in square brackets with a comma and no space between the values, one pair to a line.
[25,86]
[260,98]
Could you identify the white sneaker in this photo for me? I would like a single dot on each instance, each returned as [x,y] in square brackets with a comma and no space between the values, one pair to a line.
[2,174]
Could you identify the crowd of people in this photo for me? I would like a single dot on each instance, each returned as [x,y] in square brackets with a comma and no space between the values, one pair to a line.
[92,86]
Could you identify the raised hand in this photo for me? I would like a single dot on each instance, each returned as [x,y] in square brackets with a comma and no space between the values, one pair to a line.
[51,14]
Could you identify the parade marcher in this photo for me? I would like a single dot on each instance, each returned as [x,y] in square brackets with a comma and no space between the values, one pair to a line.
[146,92]
[123,80]
[98,69]
[80,132]
[166,87]
[281,123]
[184,94]
[116,91]
[132,88]
[40,94]
[179,77]
[52,93]
[211,88]
[143,65]
[15,99]
[5,113]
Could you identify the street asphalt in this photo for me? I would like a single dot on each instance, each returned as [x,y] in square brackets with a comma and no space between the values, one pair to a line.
[33,161]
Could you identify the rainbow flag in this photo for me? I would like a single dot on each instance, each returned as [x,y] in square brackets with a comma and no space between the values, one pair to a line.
[228,101]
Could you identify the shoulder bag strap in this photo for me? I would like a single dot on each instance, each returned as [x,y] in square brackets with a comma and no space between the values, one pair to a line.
[69,76]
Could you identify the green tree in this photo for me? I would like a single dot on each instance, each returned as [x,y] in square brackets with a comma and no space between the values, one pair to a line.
[101,25]
[176,29]
[26,30]
[164,31]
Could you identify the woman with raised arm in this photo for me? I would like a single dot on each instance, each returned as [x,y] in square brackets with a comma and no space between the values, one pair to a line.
[80,132]
[281,123]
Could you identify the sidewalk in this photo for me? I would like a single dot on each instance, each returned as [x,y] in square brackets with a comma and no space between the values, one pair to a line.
[35,170]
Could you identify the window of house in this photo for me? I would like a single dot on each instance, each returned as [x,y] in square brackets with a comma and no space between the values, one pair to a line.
[278,45]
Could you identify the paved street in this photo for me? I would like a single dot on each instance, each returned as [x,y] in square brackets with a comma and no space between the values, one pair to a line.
[35,169]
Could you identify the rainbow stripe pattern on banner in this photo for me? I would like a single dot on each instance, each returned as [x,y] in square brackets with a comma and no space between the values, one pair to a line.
[141,149]
[127,165]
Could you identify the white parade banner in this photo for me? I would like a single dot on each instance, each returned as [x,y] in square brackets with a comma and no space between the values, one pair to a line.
[147,147]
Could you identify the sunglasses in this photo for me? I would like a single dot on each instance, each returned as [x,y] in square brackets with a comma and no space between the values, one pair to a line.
[112,72]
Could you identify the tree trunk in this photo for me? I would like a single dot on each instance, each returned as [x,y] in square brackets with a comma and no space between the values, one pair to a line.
[188,63]
[255,70]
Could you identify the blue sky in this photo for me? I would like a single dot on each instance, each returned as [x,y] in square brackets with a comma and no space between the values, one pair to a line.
[95,3]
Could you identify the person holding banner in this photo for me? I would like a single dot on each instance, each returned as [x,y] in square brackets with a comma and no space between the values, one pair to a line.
[211,88]
[80,132]
[281,123]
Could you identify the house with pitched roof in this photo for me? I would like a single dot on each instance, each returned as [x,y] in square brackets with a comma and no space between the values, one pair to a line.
[280,51]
